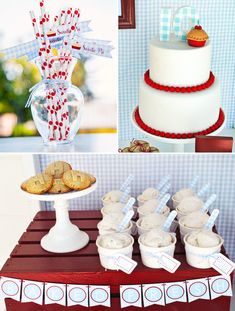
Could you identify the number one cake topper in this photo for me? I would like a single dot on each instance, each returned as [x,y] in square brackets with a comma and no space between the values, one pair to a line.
[174,24]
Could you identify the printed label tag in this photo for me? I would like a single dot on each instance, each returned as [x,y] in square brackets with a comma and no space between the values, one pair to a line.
[168,263]
[77,295]
[32,291]
[153,294]
[198,289]
[10,288]
[125,263]
[99,296]
[222,264]
[220,286]
[130,295]
[175,291]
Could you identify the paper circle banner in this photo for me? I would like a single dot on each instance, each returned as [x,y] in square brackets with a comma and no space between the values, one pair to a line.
[77,294]
[99,295]
[153,294]
[55,293]
[197,289]
[175,292]
[130,295]
[220,286]
[10,288]
[32,291]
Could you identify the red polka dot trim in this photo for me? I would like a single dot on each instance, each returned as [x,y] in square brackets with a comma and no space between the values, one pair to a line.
[188,89]
[155,132]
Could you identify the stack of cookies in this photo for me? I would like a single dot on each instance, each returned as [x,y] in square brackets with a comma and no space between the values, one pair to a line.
[58,177]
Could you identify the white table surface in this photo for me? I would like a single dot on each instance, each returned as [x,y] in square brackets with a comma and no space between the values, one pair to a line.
[96,143]
[188,148]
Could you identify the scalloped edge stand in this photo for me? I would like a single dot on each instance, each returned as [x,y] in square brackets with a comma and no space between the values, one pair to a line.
[63,237]
[178,144]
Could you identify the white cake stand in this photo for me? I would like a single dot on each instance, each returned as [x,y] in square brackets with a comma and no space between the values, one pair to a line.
[177,144]
[64,237]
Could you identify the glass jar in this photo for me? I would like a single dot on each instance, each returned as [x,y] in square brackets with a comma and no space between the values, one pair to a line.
[56,104]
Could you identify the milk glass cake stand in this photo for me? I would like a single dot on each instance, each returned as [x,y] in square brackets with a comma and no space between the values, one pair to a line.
[64,237]
[177,144]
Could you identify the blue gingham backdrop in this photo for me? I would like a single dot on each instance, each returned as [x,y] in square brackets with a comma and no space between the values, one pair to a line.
[217,17]
[111,171]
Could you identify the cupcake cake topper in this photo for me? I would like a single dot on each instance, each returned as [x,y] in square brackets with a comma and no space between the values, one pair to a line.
[197,37]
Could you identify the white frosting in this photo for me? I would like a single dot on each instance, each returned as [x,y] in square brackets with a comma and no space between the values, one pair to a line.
[195,220]
[203,238]
[179,112]
[114,241]
[113,196]
[149,207]
[111,222]
[175,63]
[189,205]
[183,193]
[113,208]
[156,238]
[151,221]
[148,194]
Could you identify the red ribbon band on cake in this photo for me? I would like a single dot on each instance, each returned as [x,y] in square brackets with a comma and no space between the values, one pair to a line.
[187,89]
[155,132]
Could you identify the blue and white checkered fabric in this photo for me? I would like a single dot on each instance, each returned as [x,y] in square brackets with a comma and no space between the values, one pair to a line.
[112,170]
[216,17]
[165,24]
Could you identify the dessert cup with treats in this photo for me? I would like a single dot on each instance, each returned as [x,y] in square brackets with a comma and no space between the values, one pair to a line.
[109,224]
[180,195]
[114,208]
[111,245]
[149,208]
[188,205]
[154,242]
[113,196]
[149,222]
[200,246]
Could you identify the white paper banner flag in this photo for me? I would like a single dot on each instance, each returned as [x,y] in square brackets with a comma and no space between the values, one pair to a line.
[55,293]
[130,295]
[77,295]
[175,291]
[91,47]
[32,291]
[222,264]
[10,288]
[81,28]
[99,296]
[153,294]
[220,286]
[198,289]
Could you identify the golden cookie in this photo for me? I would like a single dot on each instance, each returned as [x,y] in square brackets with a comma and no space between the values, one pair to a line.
[59,187]
[39,184]
[76,180]
[92,178]
[57,169]
[23,185]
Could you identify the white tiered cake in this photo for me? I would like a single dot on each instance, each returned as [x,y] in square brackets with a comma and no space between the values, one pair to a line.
[179,94]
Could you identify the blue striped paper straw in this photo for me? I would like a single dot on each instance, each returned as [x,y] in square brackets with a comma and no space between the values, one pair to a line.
[162,203]
[164,190]
[203,190]
[122,226]
[125,195]
[169,220]
[209,202]
[162,182]
[194,181]
[211,221]
[128,205]
[127,182]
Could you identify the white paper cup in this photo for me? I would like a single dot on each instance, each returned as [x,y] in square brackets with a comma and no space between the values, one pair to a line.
[107,255]
[185,230]
[104,211]
[199,257]
[165,213]
[105,231]
[149,254]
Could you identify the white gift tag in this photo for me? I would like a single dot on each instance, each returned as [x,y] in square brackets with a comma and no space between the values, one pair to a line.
[55,293]
[77,295]
[220,286]
[198,289]
[175,291]
[32,291]
[10,288]
[222,264]
[168,263]
[153,294]
[130,295]
[125,263]
[99,296]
